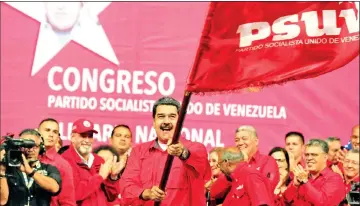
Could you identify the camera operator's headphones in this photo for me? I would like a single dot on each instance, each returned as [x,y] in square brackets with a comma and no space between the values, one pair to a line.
[42,144]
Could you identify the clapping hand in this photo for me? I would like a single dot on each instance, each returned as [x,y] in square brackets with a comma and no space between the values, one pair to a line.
[300,174]
[118,166]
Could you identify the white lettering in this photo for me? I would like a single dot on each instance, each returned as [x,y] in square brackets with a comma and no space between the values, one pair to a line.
[246,32]
[284,31]
[67,76]
[254,111]
[51,79]
[111,81]
[208,137]
[106,85]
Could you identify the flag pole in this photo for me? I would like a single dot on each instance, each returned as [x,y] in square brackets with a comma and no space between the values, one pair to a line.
[182,113]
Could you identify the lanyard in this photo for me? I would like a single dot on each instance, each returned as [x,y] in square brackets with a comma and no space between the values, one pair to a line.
[30,181]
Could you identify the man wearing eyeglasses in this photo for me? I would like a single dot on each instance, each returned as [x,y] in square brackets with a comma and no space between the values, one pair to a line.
[95,181]
[351,170]
[33,183]
[316,184]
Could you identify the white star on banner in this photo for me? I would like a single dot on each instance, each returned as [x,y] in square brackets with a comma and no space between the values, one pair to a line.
[87,32]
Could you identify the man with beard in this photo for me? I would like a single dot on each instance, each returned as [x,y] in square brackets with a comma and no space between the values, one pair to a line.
[248,185]
[317,184]
[95,181]
[49,130]
[190,168]
[33,183]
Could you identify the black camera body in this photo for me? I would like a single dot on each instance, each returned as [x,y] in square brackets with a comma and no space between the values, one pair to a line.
[13,150]
[353,197]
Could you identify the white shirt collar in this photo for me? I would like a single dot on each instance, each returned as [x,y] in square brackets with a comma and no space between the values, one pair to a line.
[89,162]
[162,145]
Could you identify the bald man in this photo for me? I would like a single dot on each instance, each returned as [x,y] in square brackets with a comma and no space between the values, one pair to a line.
[355,137]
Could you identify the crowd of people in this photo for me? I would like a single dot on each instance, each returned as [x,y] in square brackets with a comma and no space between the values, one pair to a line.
[317,172]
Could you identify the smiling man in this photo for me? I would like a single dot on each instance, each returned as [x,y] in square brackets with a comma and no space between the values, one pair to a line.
[317,184]
[247,141]
[96,181]
[141,179]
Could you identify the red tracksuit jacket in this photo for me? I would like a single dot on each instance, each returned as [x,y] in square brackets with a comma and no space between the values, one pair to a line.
[90,188]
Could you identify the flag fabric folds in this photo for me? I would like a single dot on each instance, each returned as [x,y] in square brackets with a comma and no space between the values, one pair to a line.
[258,44]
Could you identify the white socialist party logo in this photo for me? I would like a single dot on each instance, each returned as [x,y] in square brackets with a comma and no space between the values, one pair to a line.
[61,22]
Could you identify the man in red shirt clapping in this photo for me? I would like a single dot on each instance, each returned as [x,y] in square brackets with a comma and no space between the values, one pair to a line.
[316,185]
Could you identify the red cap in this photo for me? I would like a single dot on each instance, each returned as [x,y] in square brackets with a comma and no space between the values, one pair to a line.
[82,126]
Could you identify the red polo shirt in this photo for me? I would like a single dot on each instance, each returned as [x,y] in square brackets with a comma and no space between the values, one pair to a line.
[267,166]
[220,188]
[326,189]
[90,187]
[185,185]
[67,194]
[249,187]
[339,164]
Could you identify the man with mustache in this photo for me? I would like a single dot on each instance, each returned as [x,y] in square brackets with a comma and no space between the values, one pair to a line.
[34,182]
[190,168]
[317,184]
[95,180]
[49,130]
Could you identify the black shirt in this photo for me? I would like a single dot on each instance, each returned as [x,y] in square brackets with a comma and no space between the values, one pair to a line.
[20,195]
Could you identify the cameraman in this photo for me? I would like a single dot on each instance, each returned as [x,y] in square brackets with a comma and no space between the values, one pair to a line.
[34,182]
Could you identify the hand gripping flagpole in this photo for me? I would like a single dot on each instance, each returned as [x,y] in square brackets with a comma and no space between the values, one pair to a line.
[175,139]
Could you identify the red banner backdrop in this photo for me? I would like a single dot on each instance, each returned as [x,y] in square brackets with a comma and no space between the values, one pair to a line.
[109,62]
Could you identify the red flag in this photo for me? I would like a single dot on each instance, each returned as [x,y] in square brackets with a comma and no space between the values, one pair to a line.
[257,44]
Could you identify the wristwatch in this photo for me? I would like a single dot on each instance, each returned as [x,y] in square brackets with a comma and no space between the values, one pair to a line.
[185,154]
[32,173]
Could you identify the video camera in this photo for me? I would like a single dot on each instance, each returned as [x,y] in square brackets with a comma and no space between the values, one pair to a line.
[13,150]
[353,197]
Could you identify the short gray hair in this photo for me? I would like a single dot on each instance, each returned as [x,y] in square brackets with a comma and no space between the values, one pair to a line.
[332,139]
[247,128]
[231,154]
[318,143]
[166,101]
